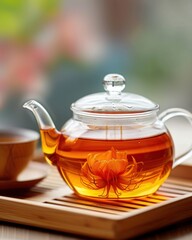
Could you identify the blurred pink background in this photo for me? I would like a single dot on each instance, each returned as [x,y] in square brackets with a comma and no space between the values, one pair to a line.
[58,51]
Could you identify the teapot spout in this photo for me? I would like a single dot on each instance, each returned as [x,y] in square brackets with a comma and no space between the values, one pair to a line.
[43,118]
[49,134]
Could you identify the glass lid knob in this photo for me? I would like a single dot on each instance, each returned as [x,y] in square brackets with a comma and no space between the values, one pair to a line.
[114,84]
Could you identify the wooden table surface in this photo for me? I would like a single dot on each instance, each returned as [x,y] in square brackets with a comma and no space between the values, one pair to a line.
[9,231]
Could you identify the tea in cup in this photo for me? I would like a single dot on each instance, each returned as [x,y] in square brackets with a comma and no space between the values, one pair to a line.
[17,147]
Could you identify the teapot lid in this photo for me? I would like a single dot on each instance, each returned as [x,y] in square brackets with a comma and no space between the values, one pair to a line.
[113,101]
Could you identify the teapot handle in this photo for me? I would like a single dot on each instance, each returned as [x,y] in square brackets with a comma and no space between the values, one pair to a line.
[175,112]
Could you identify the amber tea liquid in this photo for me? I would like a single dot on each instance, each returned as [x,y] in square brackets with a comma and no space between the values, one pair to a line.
[110,168]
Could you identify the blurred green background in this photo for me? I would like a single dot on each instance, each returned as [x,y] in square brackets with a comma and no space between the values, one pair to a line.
[57,51]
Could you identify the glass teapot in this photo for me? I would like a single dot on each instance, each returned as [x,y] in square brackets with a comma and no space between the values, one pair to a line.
[115,146]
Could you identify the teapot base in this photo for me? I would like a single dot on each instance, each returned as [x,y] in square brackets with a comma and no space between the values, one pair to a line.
[136,189]
[122,196]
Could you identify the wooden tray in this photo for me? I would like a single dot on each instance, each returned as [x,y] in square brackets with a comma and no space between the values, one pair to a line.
[51,205]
